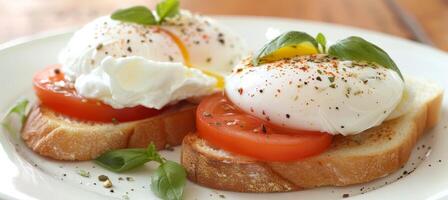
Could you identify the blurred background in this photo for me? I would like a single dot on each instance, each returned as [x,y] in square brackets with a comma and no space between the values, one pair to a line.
[424,21]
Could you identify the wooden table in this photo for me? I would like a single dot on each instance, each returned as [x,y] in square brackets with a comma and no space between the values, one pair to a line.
[425,21]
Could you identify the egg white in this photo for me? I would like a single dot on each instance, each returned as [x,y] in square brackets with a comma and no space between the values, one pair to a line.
[316,93]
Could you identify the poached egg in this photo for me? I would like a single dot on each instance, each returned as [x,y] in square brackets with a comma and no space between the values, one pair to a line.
[316,93]
[121,63]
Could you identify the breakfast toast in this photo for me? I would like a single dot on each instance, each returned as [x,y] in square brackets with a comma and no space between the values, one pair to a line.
[59,137]
[353,159]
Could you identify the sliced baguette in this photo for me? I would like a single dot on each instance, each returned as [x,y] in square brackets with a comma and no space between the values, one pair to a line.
[62,138]
[350,160]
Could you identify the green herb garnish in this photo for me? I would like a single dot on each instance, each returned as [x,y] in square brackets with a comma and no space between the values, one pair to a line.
[19,109]
[136,14]
[168,180]
[167,8]
[126,159]
[357,49]
[143,15]
[300,43]
[320,38]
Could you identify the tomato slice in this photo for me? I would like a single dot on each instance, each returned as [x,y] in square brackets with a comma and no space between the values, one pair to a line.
[224,125]
[55,92]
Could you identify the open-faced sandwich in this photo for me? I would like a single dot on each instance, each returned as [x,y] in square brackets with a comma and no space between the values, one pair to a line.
[127,80]
[300,115]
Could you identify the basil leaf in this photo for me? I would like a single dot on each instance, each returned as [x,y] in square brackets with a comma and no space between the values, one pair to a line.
[18,109]
[167,8]
[169,180]
[152,153]
[136,14]
[320,38]
[123,159]
[290,38]
[358,49]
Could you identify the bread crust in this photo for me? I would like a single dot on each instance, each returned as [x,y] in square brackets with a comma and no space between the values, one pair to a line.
[355,159]
[62,138]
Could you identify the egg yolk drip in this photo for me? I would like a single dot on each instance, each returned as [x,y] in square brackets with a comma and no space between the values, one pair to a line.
[219,78]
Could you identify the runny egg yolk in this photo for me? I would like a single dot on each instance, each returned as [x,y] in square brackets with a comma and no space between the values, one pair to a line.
[304,48]
[186,56]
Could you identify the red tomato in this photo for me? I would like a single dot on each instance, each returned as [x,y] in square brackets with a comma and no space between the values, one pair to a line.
[223,125]
[55,92]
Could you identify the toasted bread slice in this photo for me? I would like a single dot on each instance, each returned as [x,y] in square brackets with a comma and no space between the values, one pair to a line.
[350,160]
[62,138]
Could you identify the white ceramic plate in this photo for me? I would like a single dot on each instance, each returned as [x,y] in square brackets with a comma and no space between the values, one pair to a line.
[25,175]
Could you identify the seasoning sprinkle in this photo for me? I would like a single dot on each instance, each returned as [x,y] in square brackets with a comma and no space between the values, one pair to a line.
[107,184]
[240,90]
[263,128]
[99,46]
[220,40]
[103,178]
[206,114]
